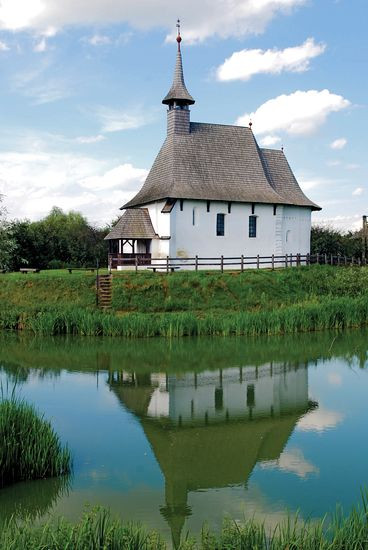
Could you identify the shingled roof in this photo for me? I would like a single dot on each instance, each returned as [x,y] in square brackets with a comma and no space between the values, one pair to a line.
[133,224]
[220,163]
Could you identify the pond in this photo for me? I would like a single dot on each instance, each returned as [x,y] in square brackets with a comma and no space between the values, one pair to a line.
[176,433]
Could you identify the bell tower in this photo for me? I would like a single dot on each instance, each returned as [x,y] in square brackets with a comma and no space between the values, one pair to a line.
[178,98]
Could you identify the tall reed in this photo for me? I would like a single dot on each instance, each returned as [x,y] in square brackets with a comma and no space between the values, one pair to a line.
[98,530]
[328,313]
[30,448]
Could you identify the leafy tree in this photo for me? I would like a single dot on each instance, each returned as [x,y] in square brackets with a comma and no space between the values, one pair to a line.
[58,240]
[326,240]
[8,244]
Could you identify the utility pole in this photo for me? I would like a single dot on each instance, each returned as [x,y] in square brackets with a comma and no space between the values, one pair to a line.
[364,238]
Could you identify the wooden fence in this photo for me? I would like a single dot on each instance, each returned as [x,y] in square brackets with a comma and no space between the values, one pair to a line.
[236,263]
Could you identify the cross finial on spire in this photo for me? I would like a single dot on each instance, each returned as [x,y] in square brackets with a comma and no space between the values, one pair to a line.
[178,38]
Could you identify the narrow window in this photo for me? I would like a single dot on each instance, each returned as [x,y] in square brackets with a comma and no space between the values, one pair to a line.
[220,225]
[193,216]
[181,204]
[229,207]
[250,395]
[252,226]
[253,207]
[208,205]
[219,399]
[274,209]
[288,236]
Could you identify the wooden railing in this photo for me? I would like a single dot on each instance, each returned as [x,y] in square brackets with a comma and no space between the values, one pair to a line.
[235,263]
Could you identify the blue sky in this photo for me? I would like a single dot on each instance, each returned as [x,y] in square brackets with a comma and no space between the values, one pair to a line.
[82,84]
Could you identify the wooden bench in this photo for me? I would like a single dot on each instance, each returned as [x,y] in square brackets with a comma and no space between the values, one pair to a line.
[26,270]
[91,269]
[162,269]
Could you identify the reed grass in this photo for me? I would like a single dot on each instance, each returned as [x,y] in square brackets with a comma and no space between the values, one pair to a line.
[329,313]
[29,449]
[99,530]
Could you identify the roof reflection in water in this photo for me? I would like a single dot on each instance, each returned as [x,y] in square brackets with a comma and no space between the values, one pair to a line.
[209,429]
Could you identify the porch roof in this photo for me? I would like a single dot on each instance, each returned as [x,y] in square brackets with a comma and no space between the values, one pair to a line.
[135,223]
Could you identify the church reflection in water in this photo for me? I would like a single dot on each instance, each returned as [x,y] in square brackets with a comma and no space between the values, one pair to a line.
[209,429]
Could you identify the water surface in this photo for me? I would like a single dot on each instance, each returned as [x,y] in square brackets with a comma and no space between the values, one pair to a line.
[175,433]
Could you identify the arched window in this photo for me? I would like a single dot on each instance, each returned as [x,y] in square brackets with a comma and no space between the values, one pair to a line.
[288,236]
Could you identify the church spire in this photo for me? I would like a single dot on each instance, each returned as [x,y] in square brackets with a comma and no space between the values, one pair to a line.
[178,95]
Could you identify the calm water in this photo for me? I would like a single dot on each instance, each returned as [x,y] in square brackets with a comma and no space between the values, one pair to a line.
[176,433]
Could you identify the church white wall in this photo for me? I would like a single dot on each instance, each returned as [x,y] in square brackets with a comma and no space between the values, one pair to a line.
[188,240]
[160,248]
[296,229]
[193,399]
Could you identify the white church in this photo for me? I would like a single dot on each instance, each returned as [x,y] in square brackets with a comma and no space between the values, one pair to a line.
[211,192]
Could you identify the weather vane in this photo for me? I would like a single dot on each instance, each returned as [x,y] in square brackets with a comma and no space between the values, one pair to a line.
[178,38]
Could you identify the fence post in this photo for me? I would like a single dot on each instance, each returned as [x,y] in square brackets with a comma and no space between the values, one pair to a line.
[331,260]
[359,262]
[257,261]
[346,260]
[167,264]
[308,259]
[317,258]
[222,264]
[338,259]
[136,264]
[273,261]
[286,260]
[196,263]
[242,263]
[291,260]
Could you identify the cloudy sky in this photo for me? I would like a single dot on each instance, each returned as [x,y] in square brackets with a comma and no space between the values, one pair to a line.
[83,80]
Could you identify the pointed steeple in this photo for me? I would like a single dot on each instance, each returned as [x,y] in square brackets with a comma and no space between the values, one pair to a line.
[178,95]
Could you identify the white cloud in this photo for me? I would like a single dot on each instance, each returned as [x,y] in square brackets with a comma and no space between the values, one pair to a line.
[41,88]
[90,139]
[36,180]
[268,141]
[343,223]
[291,461]
[202,19]
[358,191]
[299,113]
[99,40]
[41,46]
[3,46]
[124,177]
[338,143]
[247,63]
[333,162]
[352,166]
[319,420]
[114,120]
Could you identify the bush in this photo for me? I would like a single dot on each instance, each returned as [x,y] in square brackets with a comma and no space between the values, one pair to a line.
[30,449]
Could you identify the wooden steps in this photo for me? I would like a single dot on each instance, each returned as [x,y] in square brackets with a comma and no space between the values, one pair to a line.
[104,291]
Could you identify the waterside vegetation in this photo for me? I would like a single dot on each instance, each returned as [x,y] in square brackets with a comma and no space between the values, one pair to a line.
[188,303]
[98,529]
[30,448]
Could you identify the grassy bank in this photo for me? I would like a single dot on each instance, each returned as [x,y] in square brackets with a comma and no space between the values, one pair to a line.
[97,530]
[335,313]
[30,449]
[148,304]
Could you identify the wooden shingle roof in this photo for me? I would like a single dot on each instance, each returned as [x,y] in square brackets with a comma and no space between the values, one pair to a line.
[135,223]
[220,163]
[178,91]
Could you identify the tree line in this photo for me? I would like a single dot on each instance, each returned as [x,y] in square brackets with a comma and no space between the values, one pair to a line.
[68,240]
[58,240]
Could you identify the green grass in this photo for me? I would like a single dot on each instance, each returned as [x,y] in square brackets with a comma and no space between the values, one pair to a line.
[188,303]
[335,313]
[30,449]
[98,530]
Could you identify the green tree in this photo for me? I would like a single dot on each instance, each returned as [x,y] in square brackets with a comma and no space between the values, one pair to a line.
[8,244]
[60,239]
